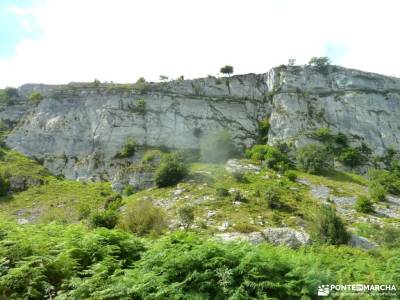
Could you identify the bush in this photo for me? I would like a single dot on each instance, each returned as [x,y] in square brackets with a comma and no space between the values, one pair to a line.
[314,159]
[237,196]
[271,155]
[153,155]
[389,236]
[328,228]
[245,227]
[323,135]
[170,171]
[291,175]
[319,62]
[351,157]
[128,190]
[35,98]
[377,193]
[272,196]
[186,216]
[107,218]
[128,149]
[389,180]
[142,217]
[113,202]
[217,147]
[239,176]
[4,186]
[222,192]
[263,129]
[364,205]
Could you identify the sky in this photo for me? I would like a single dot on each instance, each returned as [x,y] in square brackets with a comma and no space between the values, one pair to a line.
[59,41]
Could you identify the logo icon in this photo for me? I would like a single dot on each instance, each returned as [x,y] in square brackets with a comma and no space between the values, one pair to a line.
[323,290]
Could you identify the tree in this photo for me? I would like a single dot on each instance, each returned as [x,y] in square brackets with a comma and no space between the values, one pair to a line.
[227,70]
[186,216]
[364,205]
[291,62]
[320,62]
[35,97]
[163,78]
[170,171]
[314,159]
[328,228]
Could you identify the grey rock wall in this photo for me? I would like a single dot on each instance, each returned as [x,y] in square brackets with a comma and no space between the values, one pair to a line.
[78,128]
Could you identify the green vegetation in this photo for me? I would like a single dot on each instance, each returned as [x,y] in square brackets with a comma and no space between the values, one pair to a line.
[72,262]
[364,205]
[141,86]
[263,130]
[320,62]
[314,159]
[186,216]
[217,147]
[272,197]
[390,181]
[143,217]
[270,155]
[107,218]
[377,192]
[228,70]
[170,171]
[128,149]
[351,157]
[7,95]
[128,190]
[35,98]
[328,228]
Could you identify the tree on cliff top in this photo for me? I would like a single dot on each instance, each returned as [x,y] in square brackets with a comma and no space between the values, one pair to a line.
[320,62]
[227,70]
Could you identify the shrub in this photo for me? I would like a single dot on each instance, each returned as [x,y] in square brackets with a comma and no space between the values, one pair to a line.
[389,236]
[389,180]
[291,175]
[113,202]
[364,205]
[245,227]
[128,149]
[128,190]
[186,216]
[151,156]
[319,62]
[239,176]
[377,192]
[351,157]
[142,217]
[107,218]
[314,159]
[4,186]
[35,98]
[272,196]
[141,106]
[272,156]
[140,86]
[323,134]
[237,196]
[170,171]
[222,192]
[217,147]
[263,129]
[328,228]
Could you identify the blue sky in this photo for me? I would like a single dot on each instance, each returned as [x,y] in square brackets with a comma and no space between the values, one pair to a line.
[59,41]
[12,30]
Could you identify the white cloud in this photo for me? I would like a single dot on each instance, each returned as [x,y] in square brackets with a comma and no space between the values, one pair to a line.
[121,40]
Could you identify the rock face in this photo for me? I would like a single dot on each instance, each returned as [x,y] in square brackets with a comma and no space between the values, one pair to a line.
[78,128]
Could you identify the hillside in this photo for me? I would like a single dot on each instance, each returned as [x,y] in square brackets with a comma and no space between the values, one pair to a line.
[249,187]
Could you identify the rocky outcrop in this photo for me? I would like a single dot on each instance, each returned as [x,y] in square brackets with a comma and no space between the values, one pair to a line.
[284,236]
[78,128]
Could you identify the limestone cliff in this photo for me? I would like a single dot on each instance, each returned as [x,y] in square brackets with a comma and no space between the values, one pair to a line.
[78,128]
